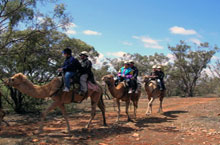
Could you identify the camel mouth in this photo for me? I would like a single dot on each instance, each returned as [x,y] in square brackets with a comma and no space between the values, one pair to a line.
[9,82]
[104,78]
[6,82]
[107,81]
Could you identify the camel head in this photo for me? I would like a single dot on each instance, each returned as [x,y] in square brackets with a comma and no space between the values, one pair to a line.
[15,79]
[108,79]
[146,78]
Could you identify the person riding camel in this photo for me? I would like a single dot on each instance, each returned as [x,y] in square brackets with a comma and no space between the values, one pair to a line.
[69,68]
[126,73]
[134,77]
[85,72]
[153,74]
[158,75]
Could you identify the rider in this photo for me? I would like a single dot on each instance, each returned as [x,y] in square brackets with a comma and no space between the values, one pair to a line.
[126,73]
[69,68]
[160,75]
[134,77]
[86,72]
[153,74]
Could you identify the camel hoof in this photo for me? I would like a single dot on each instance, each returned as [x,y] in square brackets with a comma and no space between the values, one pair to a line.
[87,126]
[85,129]
[130,120]
[68,131]
[148,114]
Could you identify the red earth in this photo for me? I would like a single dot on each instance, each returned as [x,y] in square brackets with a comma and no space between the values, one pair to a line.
[192,121]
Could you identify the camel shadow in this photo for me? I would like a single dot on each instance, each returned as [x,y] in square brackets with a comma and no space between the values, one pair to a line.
[143,122]
[81,136]
[171,114]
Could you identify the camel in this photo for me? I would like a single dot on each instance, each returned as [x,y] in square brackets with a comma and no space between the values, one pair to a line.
[119,93]
[20,82]
[153,92]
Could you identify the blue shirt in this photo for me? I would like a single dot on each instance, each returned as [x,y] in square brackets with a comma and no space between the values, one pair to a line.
[71,64]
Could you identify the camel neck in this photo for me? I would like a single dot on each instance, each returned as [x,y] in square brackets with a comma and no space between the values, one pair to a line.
[116,92]
[32,90]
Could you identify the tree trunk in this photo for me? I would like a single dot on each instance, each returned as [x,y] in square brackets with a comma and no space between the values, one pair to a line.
[0,100]
[17,98]
[190,92]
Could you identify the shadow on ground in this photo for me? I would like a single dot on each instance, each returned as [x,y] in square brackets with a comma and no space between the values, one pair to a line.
[171,114]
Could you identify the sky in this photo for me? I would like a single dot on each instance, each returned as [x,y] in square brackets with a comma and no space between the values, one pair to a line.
[115,27]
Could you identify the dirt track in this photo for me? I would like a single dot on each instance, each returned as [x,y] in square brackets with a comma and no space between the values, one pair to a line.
[185,121]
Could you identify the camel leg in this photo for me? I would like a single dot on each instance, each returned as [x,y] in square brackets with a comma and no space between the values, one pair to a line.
[101,106]
[51,107]
[160,107]
[135,108]
[127,106]
[118,105]
[63,110]
[149,107]
[94,102]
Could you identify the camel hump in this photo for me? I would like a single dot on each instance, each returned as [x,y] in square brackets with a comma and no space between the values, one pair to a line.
[122,84]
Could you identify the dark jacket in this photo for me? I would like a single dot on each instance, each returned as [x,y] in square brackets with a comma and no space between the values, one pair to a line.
[86,66]
[160,75]
[71,64]
[135,72]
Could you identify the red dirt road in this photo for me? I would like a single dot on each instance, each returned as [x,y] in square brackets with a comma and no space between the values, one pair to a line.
[184,121]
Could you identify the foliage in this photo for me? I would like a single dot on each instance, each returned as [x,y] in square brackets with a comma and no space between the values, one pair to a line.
[189,64]
[36,50]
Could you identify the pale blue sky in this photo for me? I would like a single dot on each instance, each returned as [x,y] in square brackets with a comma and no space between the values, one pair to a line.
[142,26]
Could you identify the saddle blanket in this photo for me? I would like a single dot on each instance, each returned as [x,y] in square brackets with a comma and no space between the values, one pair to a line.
[94,87]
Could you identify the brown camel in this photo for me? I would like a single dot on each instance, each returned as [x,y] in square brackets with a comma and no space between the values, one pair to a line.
[153,92]
[119,92]
[20,82]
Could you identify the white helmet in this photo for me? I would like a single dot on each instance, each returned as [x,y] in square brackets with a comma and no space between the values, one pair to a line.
[159,66]
[154,66]
[131,61]
[126,62]
[84,53]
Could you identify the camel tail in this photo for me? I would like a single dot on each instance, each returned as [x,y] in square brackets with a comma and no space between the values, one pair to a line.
[101,106]
[131,102]
[101,102]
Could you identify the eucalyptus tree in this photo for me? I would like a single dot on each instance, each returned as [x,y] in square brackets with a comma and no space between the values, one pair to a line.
[16,15]
[189,64]
[27,37]
[38,58]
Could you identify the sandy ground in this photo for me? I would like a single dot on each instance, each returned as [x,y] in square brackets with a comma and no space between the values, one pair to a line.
[191,121]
